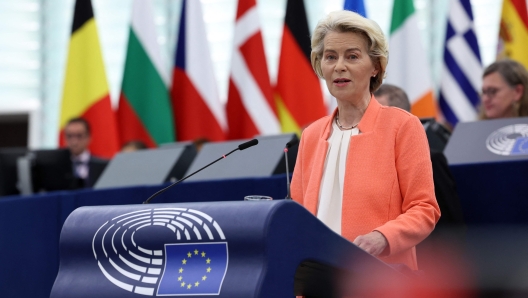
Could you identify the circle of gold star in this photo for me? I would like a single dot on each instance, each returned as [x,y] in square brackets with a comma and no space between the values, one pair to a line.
[189,286]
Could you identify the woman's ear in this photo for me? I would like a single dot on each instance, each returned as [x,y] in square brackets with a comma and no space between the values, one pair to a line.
[518,92]
[376,69]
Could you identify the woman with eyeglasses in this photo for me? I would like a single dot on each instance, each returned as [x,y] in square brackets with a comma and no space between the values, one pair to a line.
[504,90]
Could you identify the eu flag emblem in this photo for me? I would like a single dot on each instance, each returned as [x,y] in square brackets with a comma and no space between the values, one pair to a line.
[520,147]
[194,269]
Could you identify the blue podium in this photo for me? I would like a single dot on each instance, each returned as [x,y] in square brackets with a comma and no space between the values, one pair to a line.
[489,161]
[225,249]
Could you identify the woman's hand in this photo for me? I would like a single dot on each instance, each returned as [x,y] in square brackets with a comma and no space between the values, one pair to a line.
[374,243]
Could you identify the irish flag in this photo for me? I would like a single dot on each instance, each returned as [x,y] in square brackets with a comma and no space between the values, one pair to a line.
[298,91]
[408,66]
[250,104]
[197,108]
[513,39]
[86,92]
[144,112]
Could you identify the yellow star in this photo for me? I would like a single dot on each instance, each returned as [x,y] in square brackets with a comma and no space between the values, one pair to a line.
[208,269]
[189,254]
[183,284]
[184,261]
[203,254]
[196,252]
[208,261]
[181,270]
[189,286]
[204,277]
[180,278]
[196,284]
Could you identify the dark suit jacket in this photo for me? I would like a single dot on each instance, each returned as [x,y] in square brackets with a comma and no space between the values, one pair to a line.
[96,167]
[446,194]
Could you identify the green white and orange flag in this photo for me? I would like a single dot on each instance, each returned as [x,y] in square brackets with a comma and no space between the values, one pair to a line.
[408,66]
[86,92]
[144,112]
[513,34]
[298,93]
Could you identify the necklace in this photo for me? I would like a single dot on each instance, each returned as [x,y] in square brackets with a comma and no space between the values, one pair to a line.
[345,128]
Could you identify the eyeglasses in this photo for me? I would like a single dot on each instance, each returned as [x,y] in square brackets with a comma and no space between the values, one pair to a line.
[490,92]
[75,135]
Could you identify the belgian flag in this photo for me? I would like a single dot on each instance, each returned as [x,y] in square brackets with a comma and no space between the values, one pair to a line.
[298,91]
[86,92]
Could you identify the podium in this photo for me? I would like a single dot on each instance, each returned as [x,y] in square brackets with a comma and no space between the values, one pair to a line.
[224,249]
[489,161]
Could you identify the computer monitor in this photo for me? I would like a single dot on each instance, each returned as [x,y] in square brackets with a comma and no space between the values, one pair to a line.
[52,170]
[8,170]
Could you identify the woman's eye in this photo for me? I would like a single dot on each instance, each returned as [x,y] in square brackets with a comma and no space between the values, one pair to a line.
[330,57]
[352,57]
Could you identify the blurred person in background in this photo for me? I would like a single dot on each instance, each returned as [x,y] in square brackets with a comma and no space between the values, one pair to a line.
[365,170]
[200,142]
[393,96]
[504,90]
[133,146]
[86,167]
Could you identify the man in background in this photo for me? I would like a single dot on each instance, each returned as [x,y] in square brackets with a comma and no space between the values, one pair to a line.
[86,167]
[393,96]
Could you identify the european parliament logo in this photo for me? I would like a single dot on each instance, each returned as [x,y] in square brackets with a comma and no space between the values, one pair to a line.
[195,268]
[188,256]
[509,140]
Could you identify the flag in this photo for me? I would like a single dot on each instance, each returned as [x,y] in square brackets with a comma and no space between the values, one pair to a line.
[513,34]
[250,105]
[408,66]
[461,79]
[298,90]
[198,111]
[356,6]
[144,112]
[194,268]
[86,92]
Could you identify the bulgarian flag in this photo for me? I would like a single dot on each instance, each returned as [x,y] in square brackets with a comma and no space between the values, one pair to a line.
[408,67]
[197,108]
[145,111]
[86,92]
[513,34]
[298,91]
[250,104]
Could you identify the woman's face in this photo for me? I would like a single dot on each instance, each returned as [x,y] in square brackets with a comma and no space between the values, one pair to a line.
[346,65]
[498,97]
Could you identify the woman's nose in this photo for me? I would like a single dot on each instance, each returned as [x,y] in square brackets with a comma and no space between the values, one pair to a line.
[340,65]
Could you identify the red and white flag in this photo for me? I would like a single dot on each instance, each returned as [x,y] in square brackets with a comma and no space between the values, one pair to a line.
[250,106]
[198,111]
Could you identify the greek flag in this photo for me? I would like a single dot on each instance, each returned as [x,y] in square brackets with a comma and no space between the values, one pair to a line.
[194,269]
[462,69]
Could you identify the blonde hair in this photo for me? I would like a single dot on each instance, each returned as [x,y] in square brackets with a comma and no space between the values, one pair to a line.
[513,73]
[348,21]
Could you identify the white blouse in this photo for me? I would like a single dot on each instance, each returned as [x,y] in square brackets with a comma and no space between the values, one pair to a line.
[331,192]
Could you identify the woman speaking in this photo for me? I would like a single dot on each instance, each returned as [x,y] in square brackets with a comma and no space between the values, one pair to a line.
[365,170]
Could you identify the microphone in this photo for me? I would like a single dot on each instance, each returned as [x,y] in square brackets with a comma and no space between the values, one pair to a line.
[247,144]
[240,147]
[288,146]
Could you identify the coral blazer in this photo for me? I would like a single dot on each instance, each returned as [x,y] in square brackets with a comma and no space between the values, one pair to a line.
[388,183]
